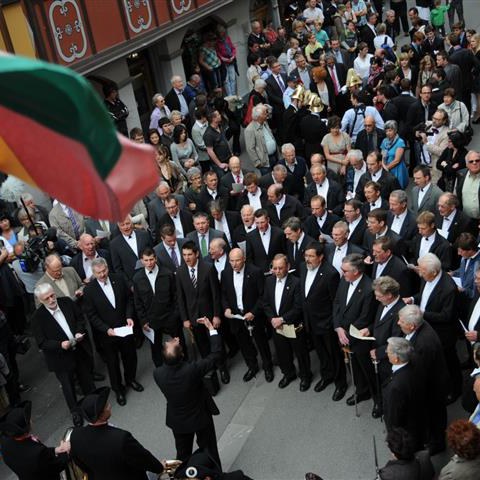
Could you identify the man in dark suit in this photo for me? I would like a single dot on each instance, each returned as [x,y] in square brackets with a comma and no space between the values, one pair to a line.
[239,237]
[264,242]
[281,207]
[386,263]
[370,138]
[155,300]
[297,167]
[330,190]
[297,240]
[82,261]
[276,85]
[402,393]
[60,333]
[283,308]
[125,248]
[321,220]
[424,195]
[233,178]
[389,110]
[437,299]
[104,451]
[242,292]
[429,240]
[431,368]
[341,246]
[210,191]
[376,173]
[23,453]
[312,131]
[252,195]
[189,404]
[368,33]
[108,305]
[203,234]
[373,199]
[181,219]
[175,99]
[387,293]
[156,207]
[377,228]
[318,286]
[169,250]
[224,221]
[421,110]
[356,223]
[400,220]
[452,220]
[278,176]
[198,294]
[403,102]
[355,305]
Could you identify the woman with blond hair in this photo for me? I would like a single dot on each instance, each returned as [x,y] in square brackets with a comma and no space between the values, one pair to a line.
[427,66]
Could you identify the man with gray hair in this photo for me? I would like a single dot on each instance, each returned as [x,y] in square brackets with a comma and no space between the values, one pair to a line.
[430,366]
[161,110]
[260,143]
[356,168]
[403,397]
[175,99]
[297,167]
[59,329]
[400,220]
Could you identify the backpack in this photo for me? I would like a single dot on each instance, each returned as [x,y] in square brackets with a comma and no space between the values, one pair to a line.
[389,53]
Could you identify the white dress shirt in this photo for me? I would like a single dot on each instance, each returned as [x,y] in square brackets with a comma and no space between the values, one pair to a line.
[425,245]
[448,221]
[213,193]
[376,204]
[152,276]
[376,176]
[279,286]
[265,237]
[357,173]
[381,268]
[168,249]
[238,286]
[321,220]
[132,242]
[178,226]
[309,279]
[397,223]
[427,291]
[108,291]
[351,288]
[222,226]
[323,189]
[388,307]
[59,317]
[474,317]
[338,256]
[87,264]
[254,199]
[422,192]
[220,264]
[279,205]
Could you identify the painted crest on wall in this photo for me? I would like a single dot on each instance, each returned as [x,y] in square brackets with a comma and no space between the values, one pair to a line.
[139,14]
[181,6]
[68,30]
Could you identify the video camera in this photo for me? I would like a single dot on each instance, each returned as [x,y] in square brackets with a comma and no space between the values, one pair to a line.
[36,248]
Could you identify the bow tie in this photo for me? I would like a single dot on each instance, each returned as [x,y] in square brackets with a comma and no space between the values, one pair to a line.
[150,272]
[435,130]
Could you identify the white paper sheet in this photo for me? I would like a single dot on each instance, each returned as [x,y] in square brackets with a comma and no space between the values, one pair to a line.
[103,234]
[123,331]
[458,281]
[150,334]
[355,333]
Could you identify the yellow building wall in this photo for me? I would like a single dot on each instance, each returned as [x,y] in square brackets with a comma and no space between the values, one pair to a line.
[19,30]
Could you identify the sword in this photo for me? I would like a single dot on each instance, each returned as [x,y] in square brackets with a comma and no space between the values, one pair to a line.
[348,360]
[379,389]
[375,456]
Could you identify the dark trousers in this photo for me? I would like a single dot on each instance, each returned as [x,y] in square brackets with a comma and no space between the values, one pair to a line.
[124,348]
[286,348]
[436,420]
[458,6]
[332,364]
[206,439]
[400,10]
[364,373]
[247,345]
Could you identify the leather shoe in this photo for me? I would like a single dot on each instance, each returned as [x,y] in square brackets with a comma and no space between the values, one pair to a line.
[251,372]
[136,386]
[269,375]
[377,411]
[224,376]
[305,384]
[360,398]
[285,381]
[339,393]
[121,400]
[322,384]
[98,377]
[77,419]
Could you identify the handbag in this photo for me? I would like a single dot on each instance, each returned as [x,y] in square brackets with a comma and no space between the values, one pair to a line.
[468,132]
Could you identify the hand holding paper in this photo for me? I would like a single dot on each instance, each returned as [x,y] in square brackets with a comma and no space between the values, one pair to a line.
[355,333]
[123,331]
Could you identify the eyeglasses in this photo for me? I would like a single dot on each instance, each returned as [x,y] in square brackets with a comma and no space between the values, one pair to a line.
[473,161]
[426,93]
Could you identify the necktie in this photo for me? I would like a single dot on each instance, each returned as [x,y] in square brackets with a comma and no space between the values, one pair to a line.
[203,246]
[295,250]
[280,83]
[173,254]
[71,216]
[334,79]
[193,277]
[370,142]
[238,179]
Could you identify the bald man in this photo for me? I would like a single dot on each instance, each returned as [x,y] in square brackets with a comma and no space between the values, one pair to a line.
[82,261]
[231,184]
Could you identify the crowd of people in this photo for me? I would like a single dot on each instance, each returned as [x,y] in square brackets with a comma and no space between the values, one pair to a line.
[316,245]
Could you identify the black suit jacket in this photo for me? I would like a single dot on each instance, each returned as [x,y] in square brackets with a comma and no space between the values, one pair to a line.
[335,196]
[275,94]
[106,451]
[226,187]
[356,236]
[388,183]
[312,228]
[189,405]
[416,115]
[299,259]
[467,62]
[172,101]
[158,309]
[91,227]
[31,460]
[312,130]
[440,247]
[460,223]
[359,311]
[239,235]
[186,219]
[291,208]
[194,303]
[233,221]
[399,247]
[212,233]
[290,304]
[205,198]
[436,46]
[409,227]
[267,180]
[398,270]
[123,259]
[440,311]
[366,207]
[403,102]
[156,210]
[163,256]
[361,143]
[256,253]
[49,336]
[252,293]
[330,250]
[100,312]
[77,262]
[318,304]
[367,35]
[385,328]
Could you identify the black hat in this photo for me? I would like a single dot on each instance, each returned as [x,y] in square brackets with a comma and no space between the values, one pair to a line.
[17,421]
[198,466]
[94,404]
